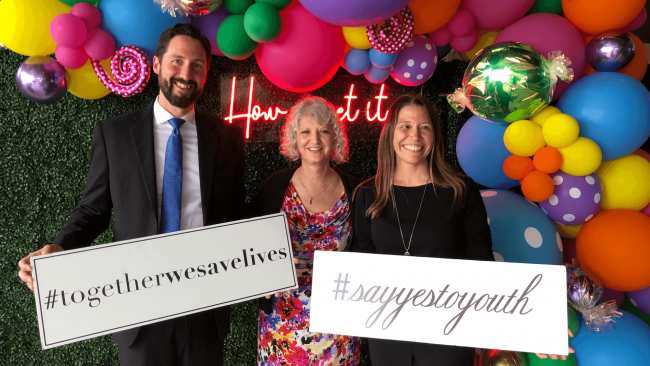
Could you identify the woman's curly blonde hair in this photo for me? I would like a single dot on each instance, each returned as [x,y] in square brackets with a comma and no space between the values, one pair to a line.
[324,114]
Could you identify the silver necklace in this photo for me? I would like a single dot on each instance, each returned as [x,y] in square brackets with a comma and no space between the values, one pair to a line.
[306,190]
[416,220]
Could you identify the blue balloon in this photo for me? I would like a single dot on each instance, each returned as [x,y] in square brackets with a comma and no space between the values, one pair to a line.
[136,23]
[356,61]
[627,344]
[521,231]
[443,50]
[481,153]
[382,60]
[612,109]
[376,75]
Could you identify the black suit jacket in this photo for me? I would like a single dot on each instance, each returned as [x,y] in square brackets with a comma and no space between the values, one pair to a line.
[122,179]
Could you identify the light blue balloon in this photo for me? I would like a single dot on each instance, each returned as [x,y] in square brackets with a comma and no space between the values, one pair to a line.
[376,75]
[136,23]
[612,109]
[382,60]
[627,344]
[521,231]
[481,153]
[356,61]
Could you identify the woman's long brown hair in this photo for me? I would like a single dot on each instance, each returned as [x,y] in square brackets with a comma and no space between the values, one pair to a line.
[440,173]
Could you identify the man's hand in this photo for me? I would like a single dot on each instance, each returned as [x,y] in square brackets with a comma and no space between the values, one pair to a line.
[25,272]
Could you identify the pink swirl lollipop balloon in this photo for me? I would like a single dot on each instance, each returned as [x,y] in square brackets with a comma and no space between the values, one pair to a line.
[394,34]
[131,68]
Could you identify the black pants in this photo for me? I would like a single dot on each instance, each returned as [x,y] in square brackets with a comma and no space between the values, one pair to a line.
[392,353]
[191,340]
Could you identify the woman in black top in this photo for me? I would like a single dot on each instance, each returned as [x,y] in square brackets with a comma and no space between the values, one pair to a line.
[418,205]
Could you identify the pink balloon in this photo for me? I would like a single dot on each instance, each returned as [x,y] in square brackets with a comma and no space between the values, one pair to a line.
[609,294]
[637,22]
[462,23]
[496,14]
[441,37]
[89,14]
[71,58]
[99,44]
[68,30]
[305,55]
[547,33]
[464,43]
[646,210]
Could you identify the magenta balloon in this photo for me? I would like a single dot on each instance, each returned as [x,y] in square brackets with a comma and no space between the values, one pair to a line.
[496,14]
[68,30]
[637,22]
[464,43]
[99,44]
[305,55]
[71,58]
[462,23]
[441,37]
[547,33]
[89,14]
[354,13]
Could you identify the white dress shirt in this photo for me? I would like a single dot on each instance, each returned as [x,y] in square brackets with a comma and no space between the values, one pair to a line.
[191,208]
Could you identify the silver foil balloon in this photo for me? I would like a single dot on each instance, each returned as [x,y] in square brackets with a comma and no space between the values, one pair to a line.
[42,80]
[185,8]
[610,51]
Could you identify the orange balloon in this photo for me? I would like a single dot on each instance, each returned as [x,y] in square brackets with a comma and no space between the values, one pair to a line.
[547,160]
[537,186]
[595,16]
[431,15]
[642,154]
[636,68]
[516,167]
[615,245]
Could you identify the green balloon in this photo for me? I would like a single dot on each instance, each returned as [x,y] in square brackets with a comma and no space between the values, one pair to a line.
[509,81]
[262,22]
[74,2]
[628,306]
[278,4]
[574,322]
[233,40]
[546,6]
[533,360]
[237,6]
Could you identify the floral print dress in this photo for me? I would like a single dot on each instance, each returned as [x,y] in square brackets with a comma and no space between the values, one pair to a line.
[283,337]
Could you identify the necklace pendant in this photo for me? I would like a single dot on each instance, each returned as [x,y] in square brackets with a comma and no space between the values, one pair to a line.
[407,254]
[310,200]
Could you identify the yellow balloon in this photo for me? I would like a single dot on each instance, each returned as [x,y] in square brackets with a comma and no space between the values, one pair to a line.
[541,116]
[581,157]
[356,37]
[560,130]
[567,232]
[25,25]
[626,183]
[523,138]
[84,83]
[485,38]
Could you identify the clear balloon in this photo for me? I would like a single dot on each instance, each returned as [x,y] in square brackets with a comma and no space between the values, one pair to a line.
[42,80]
[610,51]
[185,8]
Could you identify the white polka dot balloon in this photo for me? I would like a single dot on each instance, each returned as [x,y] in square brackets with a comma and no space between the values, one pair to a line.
[575,199]
[416,63]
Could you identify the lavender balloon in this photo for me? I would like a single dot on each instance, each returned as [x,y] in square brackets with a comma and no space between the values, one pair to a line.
[354,13]
[610,51]
[575,200]
[42,80]
[416,63]
[209,24]
[641,299]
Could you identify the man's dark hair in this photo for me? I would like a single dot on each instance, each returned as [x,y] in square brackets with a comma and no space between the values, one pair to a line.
[183,29]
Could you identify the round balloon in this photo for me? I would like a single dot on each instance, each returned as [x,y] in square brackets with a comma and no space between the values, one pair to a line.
[237,6]
[610,51]
[233,40]
[567,232]
[25,25]
[636,68]
[582,157]
[626,182]
[547,160]
[517,167]
[295,61]
[485,38]
[614,246]
[547,33]
[637,22]
[523,138]
[99,45]
[482,153]
[641,299]
[356,61]
[560,130]
[546,6]
[357,13]
[431,15]
[209,25]
[575,200]
[278,4]
[41,80]
[71,58]
[441,37]
[537,186]
[136,23]
[416,63]
[542,116]
[497,14]
[534,360]
[521,232]
[464,43]
[595,16]
[89,14]
[612,109]
[462,23]
[68,30]
[628,306]
[356,37]
[262,22]
[84,83]
[376,75]
[381,60]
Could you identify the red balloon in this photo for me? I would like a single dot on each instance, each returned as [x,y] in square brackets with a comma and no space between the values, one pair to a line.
[305,55]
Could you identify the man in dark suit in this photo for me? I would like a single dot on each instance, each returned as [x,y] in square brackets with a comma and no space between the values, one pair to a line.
[163,168]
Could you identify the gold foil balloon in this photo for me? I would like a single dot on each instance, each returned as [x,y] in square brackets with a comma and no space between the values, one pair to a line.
[495,357]
[185,8]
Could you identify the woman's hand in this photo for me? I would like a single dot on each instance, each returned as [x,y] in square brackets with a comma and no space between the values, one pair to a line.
[278,294]
[555,357]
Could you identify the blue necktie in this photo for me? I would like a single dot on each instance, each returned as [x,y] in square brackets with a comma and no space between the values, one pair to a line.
[172,180]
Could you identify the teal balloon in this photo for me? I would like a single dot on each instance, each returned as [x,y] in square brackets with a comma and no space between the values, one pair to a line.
[278,4]
[74,2]
[546,6]
[237,6]
[233,40]
[262,22]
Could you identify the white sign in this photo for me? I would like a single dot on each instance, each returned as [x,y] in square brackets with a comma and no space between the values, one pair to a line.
[89,292]
[494,305]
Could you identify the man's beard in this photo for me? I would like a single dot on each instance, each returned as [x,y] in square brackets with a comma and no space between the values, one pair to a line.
[167,88]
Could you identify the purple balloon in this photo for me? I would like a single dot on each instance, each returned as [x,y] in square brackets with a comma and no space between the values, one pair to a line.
[354,13]
[641,299]
[42,80]
[610,51]
[618,296]
[416,63]
[209,24]
[575,200]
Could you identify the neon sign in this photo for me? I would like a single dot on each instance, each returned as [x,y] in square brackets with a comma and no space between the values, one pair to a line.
[255,112]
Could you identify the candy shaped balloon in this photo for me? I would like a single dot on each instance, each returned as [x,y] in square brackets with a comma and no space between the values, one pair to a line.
[130,66]
[394,34]
[185,8]
[510,81]
[610,51]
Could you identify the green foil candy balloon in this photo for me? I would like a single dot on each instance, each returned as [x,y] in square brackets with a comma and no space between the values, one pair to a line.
[510,81]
